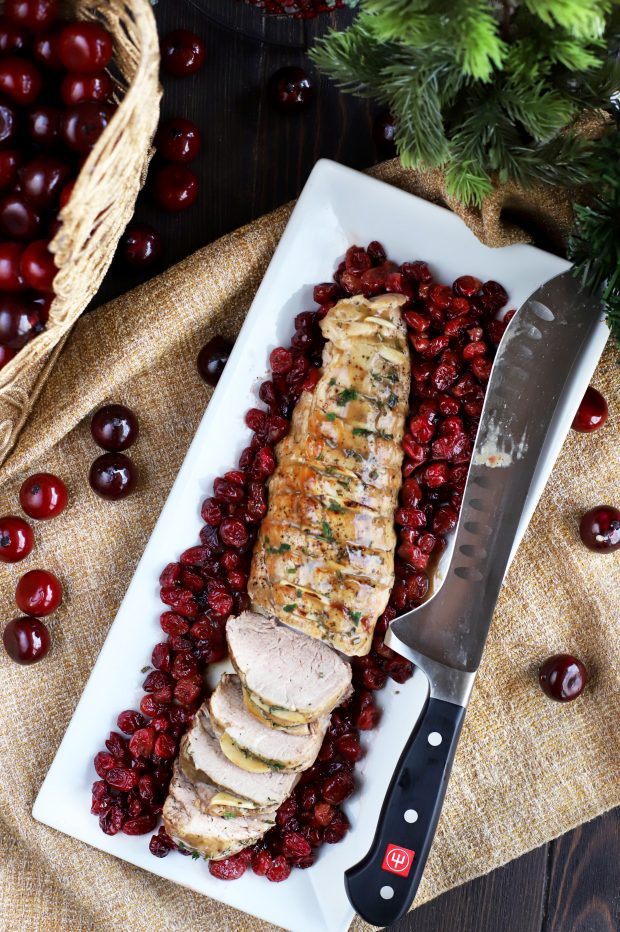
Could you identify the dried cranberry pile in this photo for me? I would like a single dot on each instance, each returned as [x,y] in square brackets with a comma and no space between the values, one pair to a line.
[56,100]
[453,336]
[300,9]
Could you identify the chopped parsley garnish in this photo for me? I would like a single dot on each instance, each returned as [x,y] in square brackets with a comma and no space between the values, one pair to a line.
[345,483]
[290,608]
[335,506]
[356,617]
[348,394]
[392,376]
[228,815]
[281,549]
[292,569]
[145,669]
[373,474]
[385,436]
[361,432]
[299,593]
[330,416]
[195,855]
[332,381]
[327,531]
[392,401]
[353,454]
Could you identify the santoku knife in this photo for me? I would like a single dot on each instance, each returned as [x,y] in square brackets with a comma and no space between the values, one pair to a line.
[445,637]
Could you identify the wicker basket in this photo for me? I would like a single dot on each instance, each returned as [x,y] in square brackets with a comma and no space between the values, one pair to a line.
[102,201]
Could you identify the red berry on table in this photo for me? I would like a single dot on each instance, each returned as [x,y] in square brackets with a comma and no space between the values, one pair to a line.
[182,53]
[37,266]
[20,79]
[19,322]
[18,219]
[34,15]
[178,140]
[79,88]
[82,125]
[114,428]
[13,38]
[112,476]
[42,180]
[10,275]
[6,355]
[599,528]
[65,194]
[26,640]
[38,593]
[591,413]
[46,51]
[563,677]
[44,126]
[175,187]
[43,495]
[290,88]
[140,246]
[85,47]
[16,539]
[212,358]
[8,123]
[10,160]
[384,131]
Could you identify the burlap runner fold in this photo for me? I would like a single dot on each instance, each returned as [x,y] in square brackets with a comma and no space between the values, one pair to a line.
[527,769]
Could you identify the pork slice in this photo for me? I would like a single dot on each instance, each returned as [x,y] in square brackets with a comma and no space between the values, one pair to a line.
[277,748]
[287,670]
[212,766]
[214,837]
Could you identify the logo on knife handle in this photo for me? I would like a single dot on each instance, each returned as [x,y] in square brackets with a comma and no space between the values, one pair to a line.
[398,860]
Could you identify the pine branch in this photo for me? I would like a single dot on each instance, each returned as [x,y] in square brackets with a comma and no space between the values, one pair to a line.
[584,19]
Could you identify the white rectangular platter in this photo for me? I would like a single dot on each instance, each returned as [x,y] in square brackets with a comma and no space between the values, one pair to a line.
[338,207]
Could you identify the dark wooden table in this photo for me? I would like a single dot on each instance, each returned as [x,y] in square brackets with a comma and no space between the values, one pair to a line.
[255,159]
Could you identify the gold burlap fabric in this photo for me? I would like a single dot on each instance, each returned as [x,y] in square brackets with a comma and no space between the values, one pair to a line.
[527,769]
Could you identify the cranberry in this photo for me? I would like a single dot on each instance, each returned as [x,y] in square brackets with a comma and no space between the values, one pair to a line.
[16,539]
[20,80]
[26,640]
[467,286]
[600,528]
[279,870]
[79,88]
[42,180]
[178,140]
[175,187]
[46,51]
[82,125]
[34,15]
[10,160]
[65,194]
[44,126]
[140,825]
[8,123]
[85,47]
[13,38]
[129,721]
[43,496]
[38,593]
[6,355]
[37,266]
[10,275]
[384,131]
[18,220]
[563,677]
[212,358]
[591,413]
[229,868]
[112,476]
[290,88]
[114,427]
[338,787]
[140,246]
[182,53]
[233,532]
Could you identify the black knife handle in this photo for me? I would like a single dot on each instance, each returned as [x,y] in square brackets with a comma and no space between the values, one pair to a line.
[382,886]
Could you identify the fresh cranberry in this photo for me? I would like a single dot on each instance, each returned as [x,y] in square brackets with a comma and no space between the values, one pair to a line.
[65,194]
[8,123]
[82,125]
[46,49]
[10,275]
[600,528]
[42,180]
[563,677]
[114,428]
[26,640]
[43,496]
[228,868]
[79,88]
[178,140]
[16,539]
[85,47]
[34,15]
[37,266]
[129,721]
[182,53]
[384,131]
[38,593]
[112,476]
[44,126]
[140,246]
[212,358]
[591,413]
[13,38]
[175,187]
[291,89]
[18,220]
[20,80]
[10,160]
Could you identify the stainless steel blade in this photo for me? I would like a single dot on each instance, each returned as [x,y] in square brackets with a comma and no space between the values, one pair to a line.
[533,365]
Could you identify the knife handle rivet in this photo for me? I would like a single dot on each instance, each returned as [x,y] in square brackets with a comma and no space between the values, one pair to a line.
[435,739]
[386,893]
[411,816]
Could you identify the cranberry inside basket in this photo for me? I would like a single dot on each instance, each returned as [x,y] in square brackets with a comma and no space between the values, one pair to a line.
[453,333]
[79,81]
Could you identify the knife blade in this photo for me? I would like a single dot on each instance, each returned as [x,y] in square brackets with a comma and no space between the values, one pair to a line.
[445,636]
